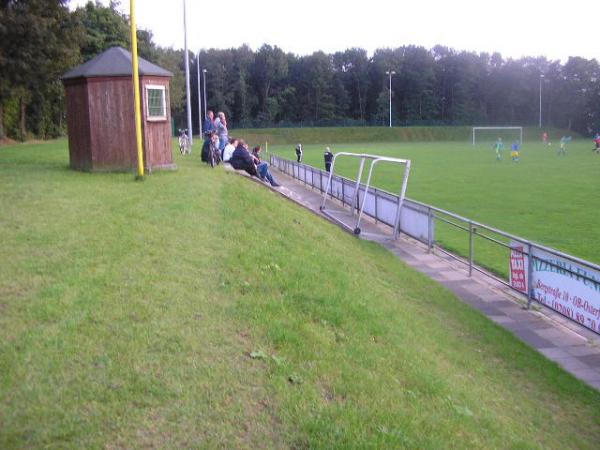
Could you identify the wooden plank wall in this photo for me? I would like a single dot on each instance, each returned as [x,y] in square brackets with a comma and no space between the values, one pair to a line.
[157,134]
[78,125]
[112,122]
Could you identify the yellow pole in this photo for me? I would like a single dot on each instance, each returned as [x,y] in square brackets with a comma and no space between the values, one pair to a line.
[136,92]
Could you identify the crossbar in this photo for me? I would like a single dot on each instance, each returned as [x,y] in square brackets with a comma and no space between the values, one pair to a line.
[499,128]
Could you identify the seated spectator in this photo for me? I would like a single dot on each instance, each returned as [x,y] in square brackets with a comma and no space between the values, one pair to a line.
[229,149]
[241,159]
[263,167]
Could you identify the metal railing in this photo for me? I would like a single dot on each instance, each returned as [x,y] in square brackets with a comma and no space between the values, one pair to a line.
[422,221]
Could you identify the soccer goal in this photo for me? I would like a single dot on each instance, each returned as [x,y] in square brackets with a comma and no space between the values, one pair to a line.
[363,196]
[492,133]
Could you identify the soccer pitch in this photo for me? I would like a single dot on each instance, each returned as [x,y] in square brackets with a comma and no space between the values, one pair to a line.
[544,197]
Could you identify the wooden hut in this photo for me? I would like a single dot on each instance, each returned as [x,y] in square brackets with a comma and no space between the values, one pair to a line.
[100,114]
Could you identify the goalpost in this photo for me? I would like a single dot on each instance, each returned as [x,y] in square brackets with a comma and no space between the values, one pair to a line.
[520,129]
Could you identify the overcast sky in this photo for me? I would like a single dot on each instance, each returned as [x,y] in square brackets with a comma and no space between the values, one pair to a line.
[556,29]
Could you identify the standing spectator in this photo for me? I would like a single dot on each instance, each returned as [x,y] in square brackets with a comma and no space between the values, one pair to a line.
[328,159]
[299,152]
[209,123]
[221,127]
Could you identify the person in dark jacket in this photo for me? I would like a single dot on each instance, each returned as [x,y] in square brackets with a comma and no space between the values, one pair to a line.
[328,159]
[241,159]
[209,123]
[299,152]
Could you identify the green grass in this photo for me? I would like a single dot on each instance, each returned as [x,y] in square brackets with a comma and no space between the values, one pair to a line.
[128,312]
[324,135]
[544,197]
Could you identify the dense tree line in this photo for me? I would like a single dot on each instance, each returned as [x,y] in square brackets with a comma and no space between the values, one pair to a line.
[431,86]
[41,39]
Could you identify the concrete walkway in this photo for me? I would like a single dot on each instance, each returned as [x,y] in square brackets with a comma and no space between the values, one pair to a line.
[575,348]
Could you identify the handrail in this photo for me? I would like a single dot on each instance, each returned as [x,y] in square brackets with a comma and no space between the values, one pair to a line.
[476,224]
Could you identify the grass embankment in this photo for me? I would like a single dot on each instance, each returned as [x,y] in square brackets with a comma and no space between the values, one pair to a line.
[128,312]
[544,197]
[342,135]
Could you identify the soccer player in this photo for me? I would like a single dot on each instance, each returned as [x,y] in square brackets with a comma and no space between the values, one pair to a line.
[545,138]
[562,150]
[597,143]
[514,154]
[499,146]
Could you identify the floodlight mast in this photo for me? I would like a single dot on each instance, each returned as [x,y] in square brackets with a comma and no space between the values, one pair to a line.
[390,73]
[199,96]
[187,75]
[541,79]
[204,81]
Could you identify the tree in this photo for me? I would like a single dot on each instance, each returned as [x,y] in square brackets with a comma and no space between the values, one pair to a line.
[269,69]
[37,44]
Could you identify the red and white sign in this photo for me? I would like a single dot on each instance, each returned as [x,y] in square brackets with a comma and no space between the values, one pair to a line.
[518,268]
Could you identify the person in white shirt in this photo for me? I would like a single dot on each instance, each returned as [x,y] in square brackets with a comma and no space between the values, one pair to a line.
[229,149]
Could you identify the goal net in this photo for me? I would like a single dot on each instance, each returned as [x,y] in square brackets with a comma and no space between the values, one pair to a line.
[491,134]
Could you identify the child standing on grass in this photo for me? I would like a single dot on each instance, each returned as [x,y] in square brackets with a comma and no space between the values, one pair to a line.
[514,154]
[499,146]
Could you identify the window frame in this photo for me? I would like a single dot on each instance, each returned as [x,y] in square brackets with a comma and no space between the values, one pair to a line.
[158,87]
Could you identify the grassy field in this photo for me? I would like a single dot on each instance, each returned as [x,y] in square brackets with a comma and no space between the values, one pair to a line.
[544,197]
[197,309]
[352,135]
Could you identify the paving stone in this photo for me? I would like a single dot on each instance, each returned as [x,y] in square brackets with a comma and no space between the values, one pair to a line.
[531,338]
[571,363]
[567,340]
[587,374]
[501,319]
[491,311]
[454,275]
[501,302]
[592,360]
[554,353]
[583,350]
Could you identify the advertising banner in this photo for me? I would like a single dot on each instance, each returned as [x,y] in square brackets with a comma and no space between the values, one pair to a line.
[570,289]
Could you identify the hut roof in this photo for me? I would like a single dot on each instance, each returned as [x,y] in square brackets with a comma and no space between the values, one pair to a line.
[114,62]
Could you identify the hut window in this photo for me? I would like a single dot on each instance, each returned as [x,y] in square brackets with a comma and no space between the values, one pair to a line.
[157,105]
